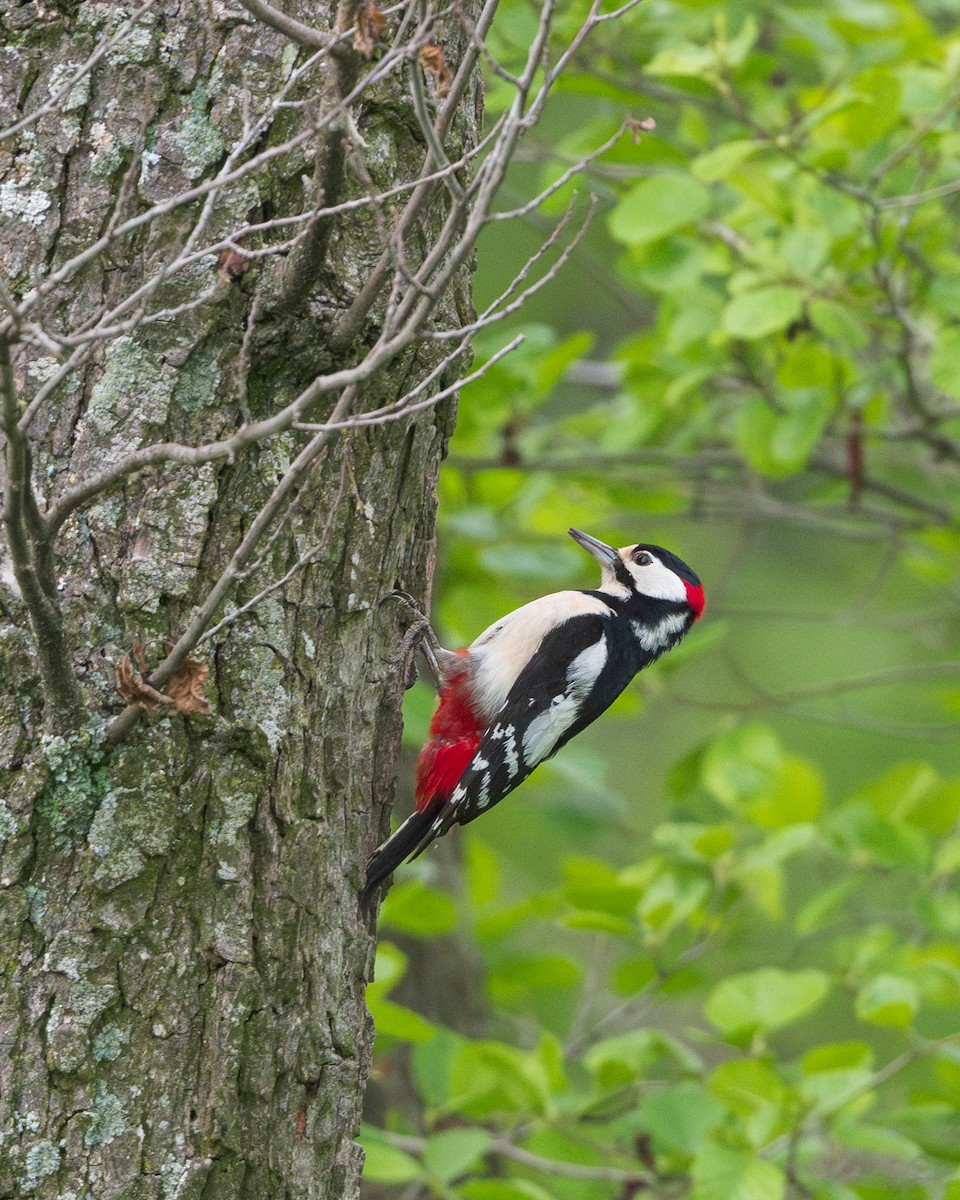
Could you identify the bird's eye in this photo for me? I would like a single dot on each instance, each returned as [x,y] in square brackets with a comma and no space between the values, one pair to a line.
[643,559]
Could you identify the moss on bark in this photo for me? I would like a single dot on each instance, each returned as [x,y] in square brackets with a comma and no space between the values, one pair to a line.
[183,963]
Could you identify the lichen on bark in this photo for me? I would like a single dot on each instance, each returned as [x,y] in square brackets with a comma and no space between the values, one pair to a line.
[183,962]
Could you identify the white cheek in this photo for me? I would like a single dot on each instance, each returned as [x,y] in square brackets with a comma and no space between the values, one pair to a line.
[658,581]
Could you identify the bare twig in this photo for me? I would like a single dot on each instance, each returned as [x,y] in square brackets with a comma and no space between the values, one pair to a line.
[503,1148]
[302,34]
[29,550]
[190,637]
[61,94]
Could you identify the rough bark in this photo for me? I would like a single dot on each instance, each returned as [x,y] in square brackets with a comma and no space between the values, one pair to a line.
[182,958]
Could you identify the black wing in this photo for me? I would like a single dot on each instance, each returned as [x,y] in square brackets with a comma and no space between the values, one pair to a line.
[576,673]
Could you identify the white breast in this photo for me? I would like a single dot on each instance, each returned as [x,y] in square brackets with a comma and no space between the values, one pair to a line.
[501,652]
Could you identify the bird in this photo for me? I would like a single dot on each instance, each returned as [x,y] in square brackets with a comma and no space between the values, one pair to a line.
[531,682]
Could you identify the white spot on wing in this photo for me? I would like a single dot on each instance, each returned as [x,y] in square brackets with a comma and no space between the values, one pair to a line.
[510,756]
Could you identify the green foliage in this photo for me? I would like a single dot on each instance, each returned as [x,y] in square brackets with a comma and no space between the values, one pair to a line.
[719,935]
[732,1079]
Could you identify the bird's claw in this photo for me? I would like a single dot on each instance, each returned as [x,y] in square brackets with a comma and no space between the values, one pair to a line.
[420,634]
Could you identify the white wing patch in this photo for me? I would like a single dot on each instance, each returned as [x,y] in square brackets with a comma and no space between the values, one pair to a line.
[501,652]
[545,730]
[583,671]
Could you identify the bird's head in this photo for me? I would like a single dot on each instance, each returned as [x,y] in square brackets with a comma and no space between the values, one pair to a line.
[644,570]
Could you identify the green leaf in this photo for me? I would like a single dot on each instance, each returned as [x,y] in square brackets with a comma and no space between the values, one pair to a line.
[780,443]
[453,1152]
[678,1118]
[633,975]
[595,885]
[722,1174]
[888,1000]
[835,1072]
[502,1189]
[823,907]
[490,1077]
[753,1091]
[683,59]
[512,980]
[793,797]
[658,206]
[620,1060]
[390,966]
[739,766]
[837,1056]
[945,362]
[719,162]
[386,1164]
[421,911]
[837,322]
[872,839]
[394,1020]
[762,311]
[764,1000]
[432,1064]
[483,873]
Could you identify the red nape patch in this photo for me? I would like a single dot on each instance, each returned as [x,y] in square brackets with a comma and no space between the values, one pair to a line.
[454,736]
[696,598]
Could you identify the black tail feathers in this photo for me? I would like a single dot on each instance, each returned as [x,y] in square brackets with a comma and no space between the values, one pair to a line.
[386,858]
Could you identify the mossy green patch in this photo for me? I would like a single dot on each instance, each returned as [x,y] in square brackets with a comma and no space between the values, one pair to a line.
[77,785]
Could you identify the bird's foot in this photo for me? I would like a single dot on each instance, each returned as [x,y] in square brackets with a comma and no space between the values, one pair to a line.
[420,635]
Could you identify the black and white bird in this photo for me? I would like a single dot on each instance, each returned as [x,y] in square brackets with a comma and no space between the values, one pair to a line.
[534,680]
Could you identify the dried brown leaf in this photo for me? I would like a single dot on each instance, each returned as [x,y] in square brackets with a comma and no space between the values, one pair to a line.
[639,128]
[433,63]
[368,24]
[185,687]
[134,688]
[231,264]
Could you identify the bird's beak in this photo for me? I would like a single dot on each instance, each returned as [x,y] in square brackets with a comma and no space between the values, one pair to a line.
[605,555]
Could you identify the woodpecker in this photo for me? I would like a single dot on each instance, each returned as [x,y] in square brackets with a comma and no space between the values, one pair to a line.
[532,681]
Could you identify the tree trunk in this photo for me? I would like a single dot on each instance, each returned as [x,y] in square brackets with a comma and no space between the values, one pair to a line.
[183,958]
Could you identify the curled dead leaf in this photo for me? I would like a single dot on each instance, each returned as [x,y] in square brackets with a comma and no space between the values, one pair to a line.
[231,264]
[434,65]
[184,688]
[134,688]
[368,24]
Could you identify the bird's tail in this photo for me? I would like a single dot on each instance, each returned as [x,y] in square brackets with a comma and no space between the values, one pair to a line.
[386,858]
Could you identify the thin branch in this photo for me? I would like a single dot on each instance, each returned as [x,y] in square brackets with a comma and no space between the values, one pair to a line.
[549,1166]
[833,687]
[221,180]
[493,312]
[302,34]
[906,147]
[352,321]
[576,168]
[233,571]
[54,103]
[383,416]
[237,613]
[29,550]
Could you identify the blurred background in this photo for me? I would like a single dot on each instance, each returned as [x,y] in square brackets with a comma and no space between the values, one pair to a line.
[713,948]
